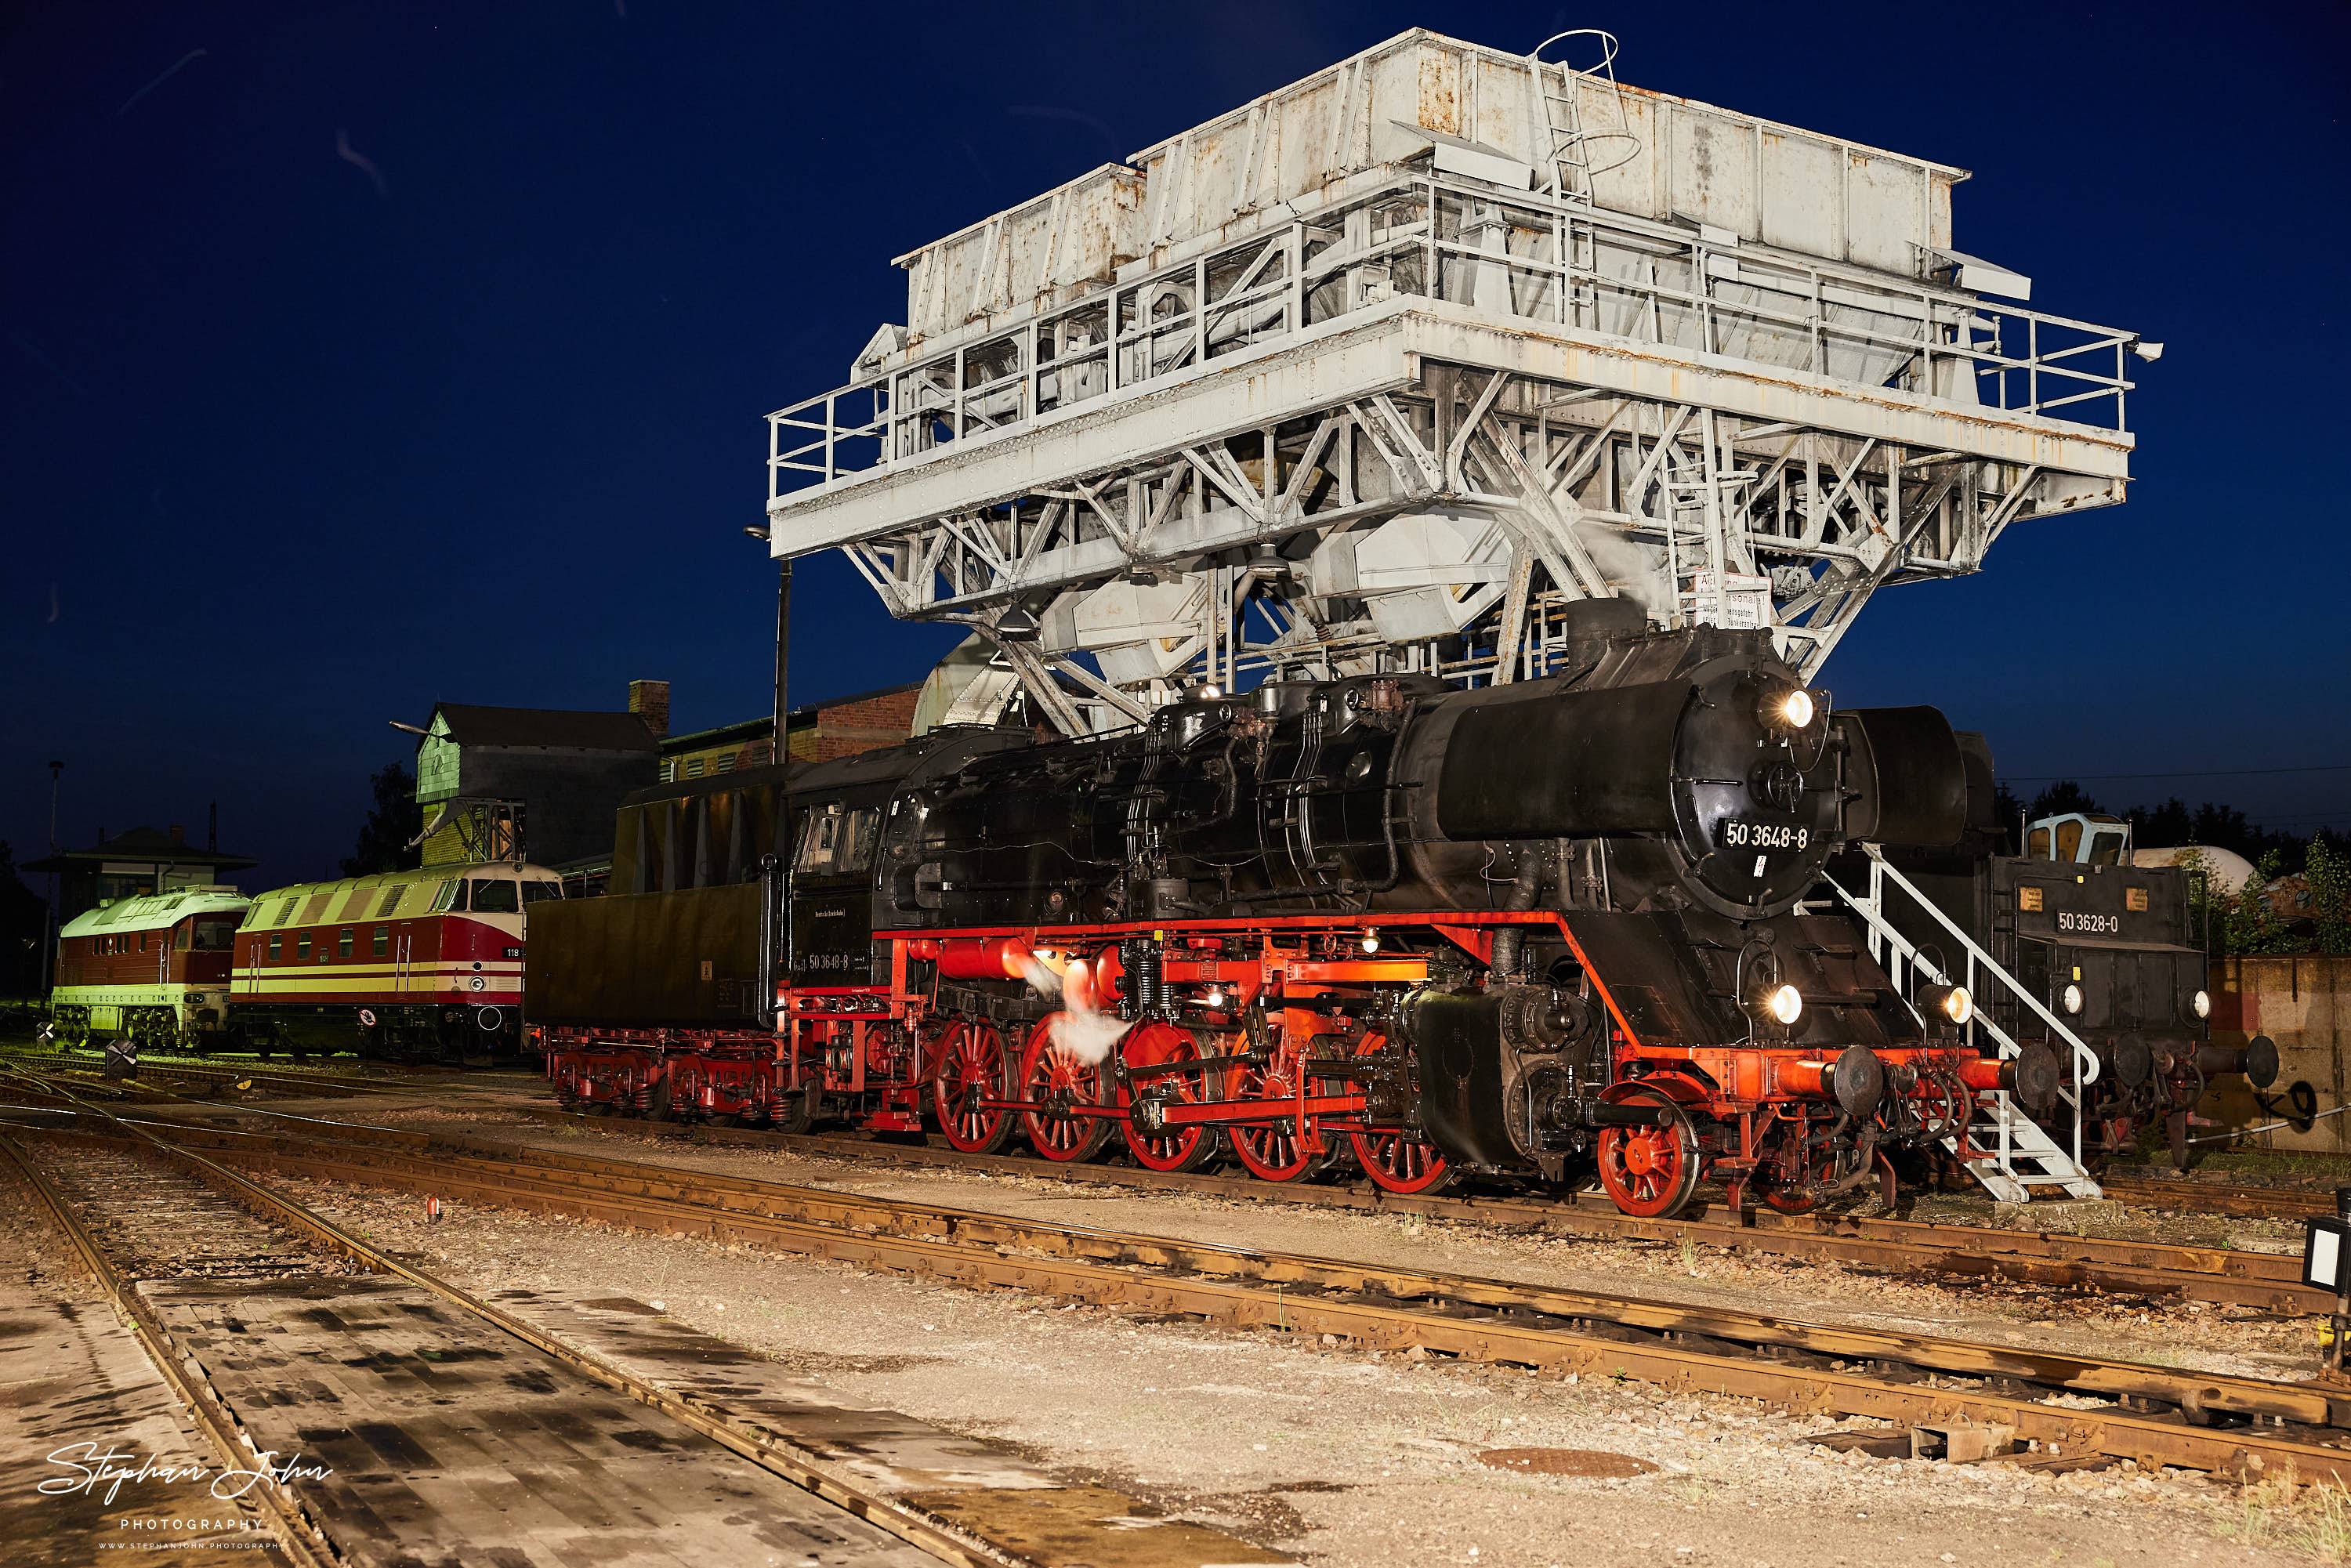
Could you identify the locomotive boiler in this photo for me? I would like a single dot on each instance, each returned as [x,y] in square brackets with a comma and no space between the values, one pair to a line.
[1373,923]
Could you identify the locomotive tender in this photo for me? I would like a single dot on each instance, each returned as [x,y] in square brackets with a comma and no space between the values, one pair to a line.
[1510,932]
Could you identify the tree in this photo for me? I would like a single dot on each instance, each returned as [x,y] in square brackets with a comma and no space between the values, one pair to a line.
[385,837]
[23,928]
[2060,798]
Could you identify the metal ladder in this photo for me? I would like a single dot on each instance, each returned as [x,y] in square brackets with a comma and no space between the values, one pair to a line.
[2013,1154]
[1568,148]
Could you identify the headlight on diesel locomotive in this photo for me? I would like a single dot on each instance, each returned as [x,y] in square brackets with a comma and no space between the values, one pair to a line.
[2200,1004]
[2072,998]
[1952,1004]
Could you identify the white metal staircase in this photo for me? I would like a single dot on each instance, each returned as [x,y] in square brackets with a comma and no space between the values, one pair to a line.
[2013,1153]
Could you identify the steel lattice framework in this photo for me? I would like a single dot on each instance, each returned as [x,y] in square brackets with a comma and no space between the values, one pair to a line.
[1400,418]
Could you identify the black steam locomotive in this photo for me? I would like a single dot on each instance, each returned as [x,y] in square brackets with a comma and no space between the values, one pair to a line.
[1373,923]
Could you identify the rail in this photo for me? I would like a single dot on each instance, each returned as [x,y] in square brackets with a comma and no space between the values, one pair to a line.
[2233,1424]
[1522,254]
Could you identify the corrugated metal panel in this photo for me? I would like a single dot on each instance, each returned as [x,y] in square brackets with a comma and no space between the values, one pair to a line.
[1769,183]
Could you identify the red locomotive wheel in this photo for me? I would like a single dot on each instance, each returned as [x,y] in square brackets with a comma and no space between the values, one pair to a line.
[1171,1148]
[1271,1149]
[972,1057]
[1393,1162]
[1650,1171]
[1049,1074]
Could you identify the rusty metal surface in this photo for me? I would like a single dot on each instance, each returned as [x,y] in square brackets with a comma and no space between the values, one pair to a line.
[2159,1416]
[859,1466]
[2220,1274]
[2219,1197]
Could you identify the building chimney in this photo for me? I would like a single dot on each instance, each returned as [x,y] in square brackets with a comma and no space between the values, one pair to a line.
[649,700]
[179,832]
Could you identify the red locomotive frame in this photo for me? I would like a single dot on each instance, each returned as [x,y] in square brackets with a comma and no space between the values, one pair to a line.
[1233,1072]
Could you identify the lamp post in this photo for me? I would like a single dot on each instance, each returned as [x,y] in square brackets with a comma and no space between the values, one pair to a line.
[49,905]
[774,886]
[779,753]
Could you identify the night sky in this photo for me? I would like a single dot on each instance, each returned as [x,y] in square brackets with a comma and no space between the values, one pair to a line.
[361,356]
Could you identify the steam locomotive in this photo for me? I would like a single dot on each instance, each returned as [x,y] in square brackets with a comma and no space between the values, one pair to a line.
[1514,932]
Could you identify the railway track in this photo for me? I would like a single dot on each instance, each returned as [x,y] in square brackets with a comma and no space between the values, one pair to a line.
[198,1258]
[2229,1276]
[2071,1408]
[2269,1281]
[2215,1198]
[324,1083]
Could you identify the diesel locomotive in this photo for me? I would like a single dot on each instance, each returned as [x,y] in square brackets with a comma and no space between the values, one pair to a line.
[1373,923]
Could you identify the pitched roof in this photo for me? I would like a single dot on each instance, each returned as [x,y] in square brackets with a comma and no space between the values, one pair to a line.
[559,727]
[148,846]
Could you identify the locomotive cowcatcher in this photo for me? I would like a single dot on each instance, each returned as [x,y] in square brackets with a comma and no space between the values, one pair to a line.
[1511,932]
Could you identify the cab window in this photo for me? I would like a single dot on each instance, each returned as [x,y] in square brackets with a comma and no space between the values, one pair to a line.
[2106,847]
[383,941]
[453,896]
[837,842]
[540,891]
[276,946]
[215,936]
[493,896]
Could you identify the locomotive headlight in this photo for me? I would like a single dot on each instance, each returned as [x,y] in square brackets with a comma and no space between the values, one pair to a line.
[2200,1004]
[2072,997]
[1952,1003]
[1791,709]
[1372,945]
[1776,1002]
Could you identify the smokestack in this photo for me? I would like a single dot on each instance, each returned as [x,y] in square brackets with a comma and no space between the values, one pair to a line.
[649,700]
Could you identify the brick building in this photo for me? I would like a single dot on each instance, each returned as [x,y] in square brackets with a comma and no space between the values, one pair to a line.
[818,732]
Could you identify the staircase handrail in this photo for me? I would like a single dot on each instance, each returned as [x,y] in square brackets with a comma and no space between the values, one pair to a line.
[2085,1060]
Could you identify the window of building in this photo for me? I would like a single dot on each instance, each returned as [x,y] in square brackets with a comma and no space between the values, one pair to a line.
[493,896]
[343,944]
[276,946]
[302,947]
[540,891]
[383,941]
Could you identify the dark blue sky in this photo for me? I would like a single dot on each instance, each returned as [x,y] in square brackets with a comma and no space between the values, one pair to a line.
[293,442]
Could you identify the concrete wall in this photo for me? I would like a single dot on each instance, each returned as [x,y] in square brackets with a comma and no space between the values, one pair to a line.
[2303,1001]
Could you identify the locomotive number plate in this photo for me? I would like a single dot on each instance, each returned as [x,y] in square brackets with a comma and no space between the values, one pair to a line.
[1739,834]
[2090,924]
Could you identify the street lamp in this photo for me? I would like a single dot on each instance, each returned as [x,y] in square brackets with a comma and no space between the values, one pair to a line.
[777,753]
